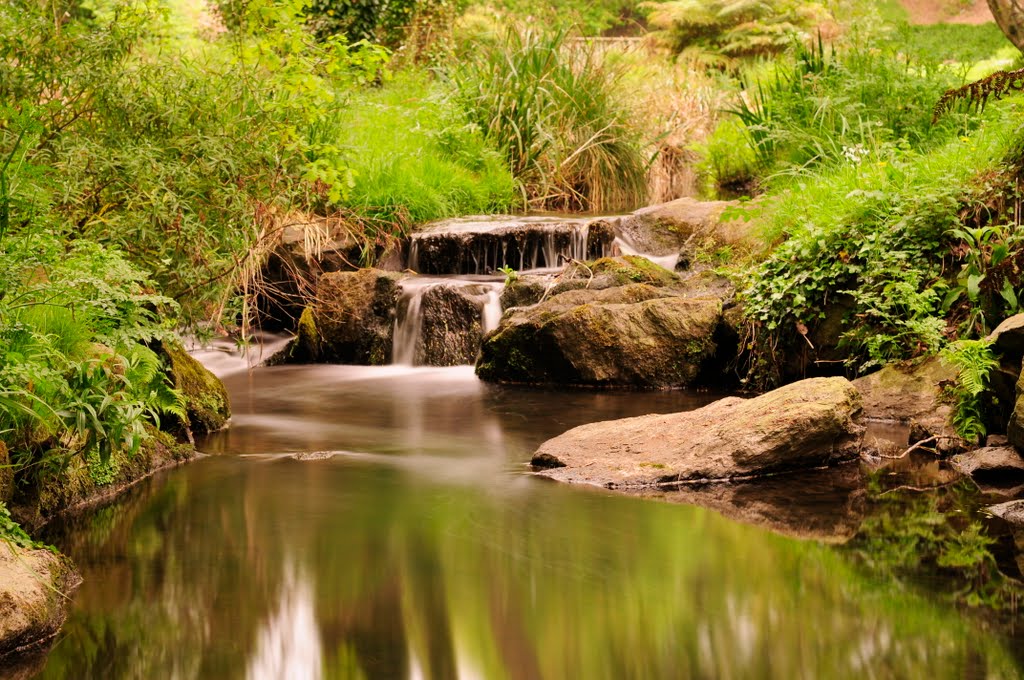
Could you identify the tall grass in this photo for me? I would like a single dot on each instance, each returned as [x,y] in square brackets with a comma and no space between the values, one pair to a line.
[557,116]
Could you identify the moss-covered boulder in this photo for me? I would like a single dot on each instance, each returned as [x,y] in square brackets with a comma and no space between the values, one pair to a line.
[86,479]
[351,321]
[6,475]
[34,589]
[206,398]
[635,335]
[1015,430]
[811,423]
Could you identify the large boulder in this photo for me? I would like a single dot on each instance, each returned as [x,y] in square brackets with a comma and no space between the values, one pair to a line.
[634,335]
[806,424]
[684,226]
[206,398]
[352,320]
[34,588]
[606,272]
[913,393]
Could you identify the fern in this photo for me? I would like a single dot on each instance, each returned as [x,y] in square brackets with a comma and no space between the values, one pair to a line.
[977,94]
[974,361]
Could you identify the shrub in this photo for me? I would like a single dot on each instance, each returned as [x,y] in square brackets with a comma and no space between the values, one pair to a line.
[733,28]
[882,236]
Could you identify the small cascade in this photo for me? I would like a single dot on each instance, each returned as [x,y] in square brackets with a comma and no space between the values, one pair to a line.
[624,246]
[408,323]
[481,246]
[440,321]
[490,316]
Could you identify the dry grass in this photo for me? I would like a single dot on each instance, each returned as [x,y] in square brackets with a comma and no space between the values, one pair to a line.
[677,104]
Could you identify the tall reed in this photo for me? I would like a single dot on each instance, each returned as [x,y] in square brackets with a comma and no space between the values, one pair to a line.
[554,110]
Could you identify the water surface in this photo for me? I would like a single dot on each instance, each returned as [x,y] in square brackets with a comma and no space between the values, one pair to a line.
[414,545]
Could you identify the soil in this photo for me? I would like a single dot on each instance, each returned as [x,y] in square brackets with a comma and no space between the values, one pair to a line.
[925,12]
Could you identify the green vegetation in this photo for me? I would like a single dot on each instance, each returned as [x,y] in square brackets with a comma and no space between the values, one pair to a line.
[733,28]
[552,111]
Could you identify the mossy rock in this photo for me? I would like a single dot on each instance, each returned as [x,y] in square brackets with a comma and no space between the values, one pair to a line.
[34,588]
[84,480]
[351,322]
[628,269]
[635,335]
[206,398]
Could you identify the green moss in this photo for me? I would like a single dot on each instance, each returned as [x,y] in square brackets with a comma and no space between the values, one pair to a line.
[633,269]
[81,479]
[307,339]
[205,396]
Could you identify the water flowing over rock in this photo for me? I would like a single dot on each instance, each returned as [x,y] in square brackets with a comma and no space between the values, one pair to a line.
[440,322]
[484,245]
[802,425]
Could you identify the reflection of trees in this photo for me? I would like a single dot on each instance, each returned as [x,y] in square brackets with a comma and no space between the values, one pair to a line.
[528,580]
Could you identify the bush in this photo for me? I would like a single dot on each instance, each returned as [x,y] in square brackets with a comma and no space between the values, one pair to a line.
[555,114]
[883,237]
[733,28]
[829,106]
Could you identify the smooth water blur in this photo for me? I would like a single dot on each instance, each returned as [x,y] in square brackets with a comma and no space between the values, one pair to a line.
[416,546]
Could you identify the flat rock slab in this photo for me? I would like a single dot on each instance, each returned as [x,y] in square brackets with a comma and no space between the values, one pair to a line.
[803,425]
[992,461]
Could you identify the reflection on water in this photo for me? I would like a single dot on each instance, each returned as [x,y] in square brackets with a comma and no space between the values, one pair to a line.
[288,644]
[375,563]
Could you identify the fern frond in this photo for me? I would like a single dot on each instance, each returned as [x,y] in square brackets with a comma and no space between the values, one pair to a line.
[977,94]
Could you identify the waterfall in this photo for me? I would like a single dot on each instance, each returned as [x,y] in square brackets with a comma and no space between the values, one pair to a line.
[408,323]
[484,295]
[483,247]
[490,315]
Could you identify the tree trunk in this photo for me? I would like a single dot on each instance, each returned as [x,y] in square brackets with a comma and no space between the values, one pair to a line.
[1009,15]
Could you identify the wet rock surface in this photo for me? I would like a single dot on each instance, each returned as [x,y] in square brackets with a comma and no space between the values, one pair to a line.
[598,324]
[912,393]
[483,245]
[450,325]
[991,463]
[802,425]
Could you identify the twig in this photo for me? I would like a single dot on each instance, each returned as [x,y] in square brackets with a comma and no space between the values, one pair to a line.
[919,445]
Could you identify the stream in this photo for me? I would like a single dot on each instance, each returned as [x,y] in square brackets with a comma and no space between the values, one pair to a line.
[379,522]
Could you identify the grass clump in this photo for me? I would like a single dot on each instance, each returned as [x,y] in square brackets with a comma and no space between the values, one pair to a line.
[554,111]
[415,157]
